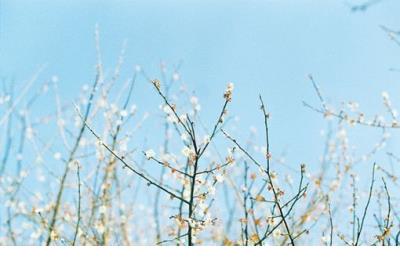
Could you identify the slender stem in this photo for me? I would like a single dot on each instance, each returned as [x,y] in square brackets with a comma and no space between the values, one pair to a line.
[366,206]
[79,206]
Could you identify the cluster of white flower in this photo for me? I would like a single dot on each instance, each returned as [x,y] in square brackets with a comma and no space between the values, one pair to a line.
[228,92]
[219,178]
[150,154]
[190,154]
[171,116]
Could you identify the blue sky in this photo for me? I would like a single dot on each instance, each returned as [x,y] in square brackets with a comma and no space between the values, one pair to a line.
[265,47]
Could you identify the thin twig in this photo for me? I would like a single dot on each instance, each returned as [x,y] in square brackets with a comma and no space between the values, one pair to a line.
[79,205]
[366,206]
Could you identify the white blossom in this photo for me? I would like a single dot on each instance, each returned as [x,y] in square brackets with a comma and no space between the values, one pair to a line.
[150,154]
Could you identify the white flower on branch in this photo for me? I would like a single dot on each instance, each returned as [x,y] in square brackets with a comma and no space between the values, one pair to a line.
[219,178]
[189,153]
[150,154]
[228,92]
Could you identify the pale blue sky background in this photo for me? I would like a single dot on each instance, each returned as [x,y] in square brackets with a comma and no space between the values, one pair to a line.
[265,47]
